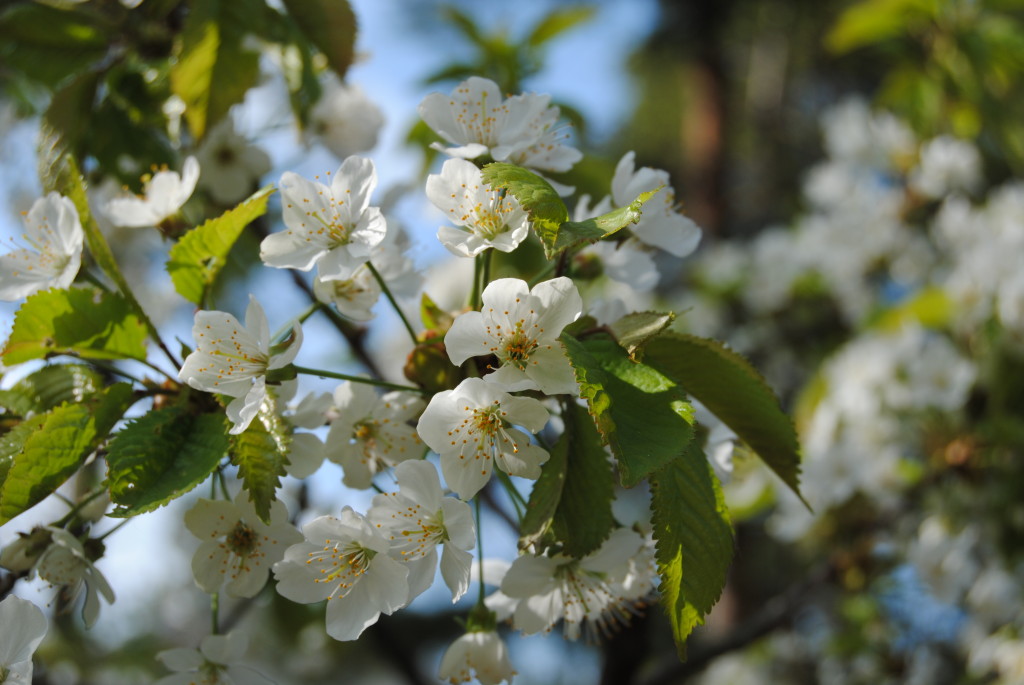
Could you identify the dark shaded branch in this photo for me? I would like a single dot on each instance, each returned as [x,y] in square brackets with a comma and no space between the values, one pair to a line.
[776,612]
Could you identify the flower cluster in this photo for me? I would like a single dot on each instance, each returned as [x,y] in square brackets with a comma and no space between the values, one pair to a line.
[490,387]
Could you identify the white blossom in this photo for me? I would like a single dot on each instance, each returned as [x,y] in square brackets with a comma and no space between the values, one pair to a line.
[521,327]
[371,432]
[233,360]
[478,654]
[23,628]
[238,549]
[231,165]
[345,120]
[471,428]
[332,227]
[164,195]
[417,519]
[603,588]
[626,262]
[477,120]
[354,297]
[483,216]
[660,224]
[214,663]
[947,165]
[54,237]
[64,564]
[345,561]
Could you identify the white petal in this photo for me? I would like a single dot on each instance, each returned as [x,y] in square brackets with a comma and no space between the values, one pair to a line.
[465,474]
[181,659]
[561,305]
[552,372]
[421,574]
[458,523]
[468,337]
[209,519]
[418,480]
[209,565]
[241,411]
[305,455]
[18,645]
[256,324]
[455,569]
[526,461]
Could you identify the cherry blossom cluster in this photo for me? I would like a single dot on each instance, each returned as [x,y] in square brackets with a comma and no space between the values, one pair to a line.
[514,367]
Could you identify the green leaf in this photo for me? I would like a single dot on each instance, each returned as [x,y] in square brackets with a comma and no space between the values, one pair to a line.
[65,125]
[572,232]
[213,70]
[583,519]
[196,260]
[49,44]
[733,391]
[634,330]
[873,21]
[79,321]
[694,540]
[639,412]
[433,317]
[573,496]
[161,456]
[559,21]
[260,452]
[546,494]
[61,440]
[545,208]
[330,25]
[50,386]
[13,441]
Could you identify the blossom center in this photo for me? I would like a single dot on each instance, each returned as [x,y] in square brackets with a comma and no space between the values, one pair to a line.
[424,530]
[242,540]
[336,232]
[517,347]
[341,564]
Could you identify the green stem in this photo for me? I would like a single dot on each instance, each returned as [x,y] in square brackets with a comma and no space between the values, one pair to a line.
[391,299]
[91,278]
[156,368]
[517,498]
[485,277]
[223,485]
[474,295]
[113,530]
[214,610]
[479,548]
[544,273]
[78,507]
[110,368]
[356,379]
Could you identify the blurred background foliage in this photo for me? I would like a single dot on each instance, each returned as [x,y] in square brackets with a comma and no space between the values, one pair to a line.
[728,96]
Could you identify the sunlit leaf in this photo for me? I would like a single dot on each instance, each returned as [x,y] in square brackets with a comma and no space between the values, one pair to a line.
[540,201]
[214,69]
[80,321]
[733,391]
[196,260]
[60,441]
[260,453]
[640,412]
